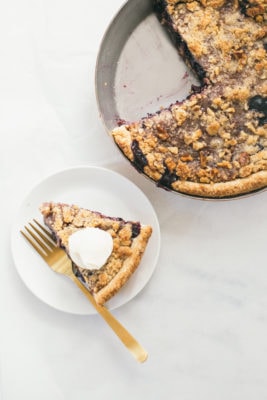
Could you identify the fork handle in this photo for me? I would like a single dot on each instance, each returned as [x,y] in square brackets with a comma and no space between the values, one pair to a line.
[127,339]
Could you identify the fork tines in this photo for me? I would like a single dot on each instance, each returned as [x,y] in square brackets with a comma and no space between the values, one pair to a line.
[39,237]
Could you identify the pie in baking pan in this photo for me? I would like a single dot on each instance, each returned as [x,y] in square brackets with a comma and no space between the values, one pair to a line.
[214,143]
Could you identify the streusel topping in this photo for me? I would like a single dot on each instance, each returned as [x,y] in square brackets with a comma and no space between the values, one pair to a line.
[67,219]
[219,133]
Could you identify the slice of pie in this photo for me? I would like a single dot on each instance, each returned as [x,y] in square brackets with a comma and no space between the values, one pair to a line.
[129,240]
[214,143]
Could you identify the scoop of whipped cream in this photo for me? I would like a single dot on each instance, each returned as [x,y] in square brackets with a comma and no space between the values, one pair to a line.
[90,247]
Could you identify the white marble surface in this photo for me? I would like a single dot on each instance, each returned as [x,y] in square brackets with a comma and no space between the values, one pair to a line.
[202,317]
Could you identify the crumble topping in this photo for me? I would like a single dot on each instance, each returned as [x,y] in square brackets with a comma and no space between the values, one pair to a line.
[64,220]
[219,133]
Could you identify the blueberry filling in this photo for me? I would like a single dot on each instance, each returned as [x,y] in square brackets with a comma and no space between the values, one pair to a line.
[78,273]
[259,103]
[120,121]
[263,120]
[167,179]
[196,89]
[140,160]
[136,227]
[244,5]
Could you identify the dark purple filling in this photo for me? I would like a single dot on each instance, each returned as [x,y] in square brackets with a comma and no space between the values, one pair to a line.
[120,121]
[167,179]
[263,120]
[140,160]
[79,274]
[196,89]
[244,5]
[259,103]
[136,228]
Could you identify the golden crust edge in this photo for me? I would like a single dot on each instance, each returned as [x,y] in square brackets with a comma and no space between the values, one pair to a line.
[129,267]
[256,181]
[122,139]
[240,186]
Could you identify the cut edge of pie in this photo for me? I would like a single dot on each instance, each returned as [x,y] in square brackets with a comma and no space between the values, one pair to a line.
[214,143]
[130,240]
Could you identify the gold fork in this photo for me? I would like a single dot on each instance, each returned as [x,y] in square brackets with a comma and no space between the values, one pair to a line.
[41,239]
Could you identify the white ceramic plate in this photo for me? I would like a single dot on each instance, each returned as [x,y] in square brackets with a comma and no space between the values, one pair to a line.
[93,188]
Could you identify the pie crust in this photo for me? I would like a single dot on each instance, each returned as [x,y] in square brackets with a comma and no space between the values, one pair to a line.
[129,243]
[214,143]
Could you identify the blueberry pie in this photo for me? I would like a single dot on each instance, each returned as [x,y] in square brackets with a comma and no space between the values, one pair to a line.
[214,143]
[105,251]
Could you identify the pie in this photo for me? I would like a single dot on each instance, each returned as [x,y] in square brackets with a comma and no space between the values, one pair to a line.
[213,143]
[129,243]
